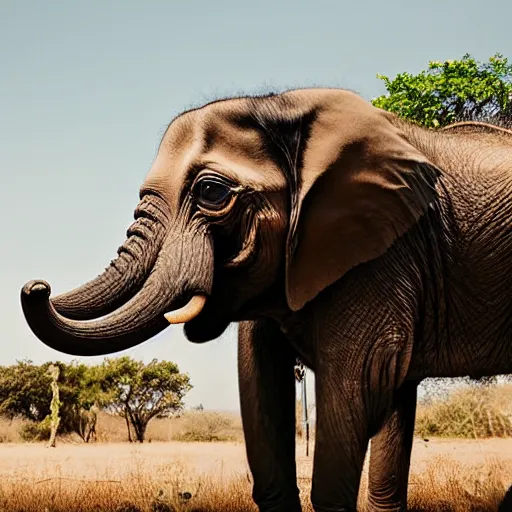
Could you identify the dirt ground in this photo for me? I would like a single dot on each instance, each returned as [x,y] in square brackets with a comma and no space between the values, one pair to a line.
[119,461]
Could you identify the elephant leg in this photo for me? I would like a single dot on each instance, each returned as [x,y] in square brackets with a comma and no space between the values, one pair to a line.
[267,394]
[345,417]
[390,454]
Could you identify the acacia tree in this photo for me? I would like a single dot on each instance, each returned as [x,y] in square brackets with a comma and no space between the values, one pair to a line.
[140,392]
[450,91]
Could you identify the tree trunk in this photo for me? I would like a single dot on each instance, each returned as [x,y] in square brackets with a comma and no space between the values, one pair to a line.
[139,426]
[54,406]
[91,434]
[140,431]
[126,412]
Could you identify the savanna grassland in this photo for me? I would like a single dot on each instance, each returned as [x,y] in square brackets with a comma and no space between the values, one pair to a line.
[197,463]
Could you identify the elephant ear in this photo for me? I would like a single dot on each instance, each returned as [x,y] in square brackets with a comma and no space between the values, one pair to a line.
[361,186]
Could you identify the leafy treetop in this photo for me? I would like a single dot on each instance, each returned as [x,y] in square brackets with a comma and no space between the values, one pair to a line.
[138,392]
[450,91]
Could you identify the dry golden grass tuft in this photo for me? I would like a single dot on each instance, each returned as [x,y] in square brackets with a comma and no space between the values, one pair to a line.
[449,486]
[444,487]
[157,477]
[10,430]
[140,492]
[208,426]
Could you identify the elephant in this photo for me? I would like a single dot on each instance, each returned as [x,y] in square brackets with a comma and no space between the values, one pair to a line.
[376,250]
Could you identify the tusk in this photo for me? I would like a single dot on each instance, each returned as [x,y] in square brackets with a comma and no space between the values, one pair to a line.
[187,312]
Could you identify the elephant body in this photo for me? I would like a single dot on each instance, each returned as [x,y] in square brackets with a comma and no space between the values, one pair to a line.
[377,251]
[413,313]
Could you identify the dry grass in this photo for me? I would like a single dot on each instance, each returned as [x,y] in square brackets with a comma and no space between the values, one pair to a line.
[469,412]
[447,476]
[208,426]
[10,430]
[192,426]
[449,486]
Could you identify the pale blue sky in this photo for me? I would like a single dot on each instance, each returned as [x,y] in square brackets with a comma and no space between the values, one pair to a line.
[87,88]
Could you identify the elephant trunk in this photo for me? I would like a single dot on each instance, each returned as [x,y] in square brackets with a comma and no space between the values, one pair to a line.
[125,275]
[175,280]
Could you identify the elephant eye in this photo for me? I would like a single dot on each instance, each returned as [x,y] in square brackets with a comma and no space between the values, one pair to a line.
[212,193]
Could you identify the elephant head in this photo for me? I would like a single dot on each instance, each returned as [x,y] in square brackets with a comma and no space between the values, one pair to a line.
[253,204]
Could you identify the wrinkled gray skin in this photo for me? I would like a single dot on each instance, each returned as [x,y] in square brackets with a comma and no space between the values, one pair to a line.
[377,251]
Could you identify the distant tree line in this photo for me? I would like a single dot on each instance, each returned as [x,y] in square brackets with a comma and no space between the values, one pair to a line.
[69,396]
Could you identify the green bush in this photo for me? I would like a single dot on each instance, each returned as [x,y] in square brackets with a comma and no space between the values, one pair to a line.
[35,431]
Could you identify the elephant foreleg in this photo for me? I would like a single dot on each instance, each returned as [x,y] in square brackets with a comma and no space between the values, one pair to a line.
[390,454]
[267,393]
[342,435]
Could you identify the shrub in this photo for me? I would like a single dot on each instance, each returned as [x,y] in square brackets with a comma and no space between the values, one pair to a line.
[471,412]
[35,431]
[205,427]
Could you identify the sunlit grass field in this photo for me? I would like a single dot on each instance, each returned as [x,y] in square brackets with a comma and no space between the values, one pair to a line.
[447,475]
[469,473]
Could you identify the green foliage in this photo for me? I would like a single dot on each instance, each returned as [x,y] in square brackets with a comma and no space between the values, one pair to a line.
[450,90]
[140,392]
[134,390]
[82,392]
[36,431]
[25,391]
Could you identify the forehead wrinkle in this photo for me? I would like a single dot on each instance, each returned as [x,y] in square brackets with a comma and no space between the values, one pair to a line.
[222,133]
[235,131]
[215,138]
[235,109]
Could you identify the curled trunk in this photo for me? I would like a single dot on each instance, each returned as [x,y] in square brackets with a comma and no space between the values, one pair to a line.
[183,269]
[128,326]
[125,275]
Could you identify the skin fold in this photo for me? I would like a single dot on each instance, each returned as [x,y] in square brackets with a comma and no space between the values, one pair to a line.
[377,251]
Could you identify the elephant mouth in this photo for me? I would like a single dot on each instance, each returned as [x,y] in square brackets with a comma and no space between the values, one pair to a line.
[206,317]
[209,317]
[205,327]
